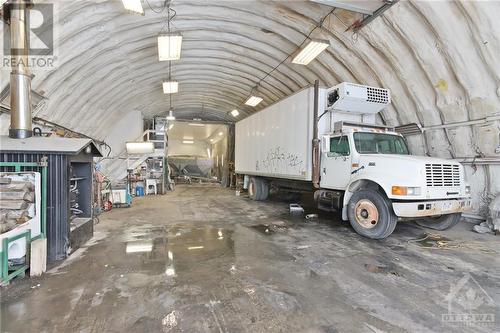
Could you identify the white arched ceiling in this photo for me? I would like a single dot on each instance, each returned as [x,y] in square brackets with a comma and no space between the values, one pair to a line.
[439,58]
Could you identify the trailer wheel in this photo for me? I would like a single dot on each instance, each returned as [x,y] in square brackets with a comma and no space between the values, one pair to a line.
[255,188]
[442,222]
[264,186]
[371,215]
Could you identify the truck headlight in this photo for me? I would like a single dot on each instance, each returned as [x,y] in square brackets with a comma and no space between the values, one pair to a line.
[404,190]
[467,189]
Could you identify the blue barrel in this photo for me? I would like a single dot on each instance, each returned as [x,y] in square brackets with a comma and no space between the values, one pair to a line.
[139,191]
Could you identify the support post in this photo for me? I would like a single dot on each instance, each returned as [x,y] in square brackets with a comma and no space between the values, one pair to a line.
[315,142]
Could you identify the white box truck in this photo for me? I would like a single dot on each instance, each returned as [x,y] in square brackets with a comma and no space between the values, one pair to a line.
[327,140]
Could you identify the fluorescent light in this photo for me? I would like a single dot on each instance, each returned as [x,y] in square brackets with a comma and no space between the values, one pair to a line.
[170,87]
[169,47]
[235,113]
[195,247]
[221,133]
[170,126]
[196,124]
[188,142]
[310,51]
[253,101]
[140,147]
[133,6]
[171,115]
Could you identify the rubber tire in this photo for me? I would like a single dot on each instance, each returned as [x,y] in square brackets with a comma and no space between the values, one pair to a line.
[441,223]
[387,219]
[264,186]
[256,185]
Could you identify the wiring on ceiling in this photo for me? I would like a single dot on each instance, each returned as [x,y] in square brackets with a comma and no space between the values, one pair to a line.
[166,4]
[319,25]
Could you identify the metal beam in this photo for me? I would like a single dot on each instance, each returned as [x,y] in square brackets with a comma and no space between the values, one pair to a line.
[367,19]
[353,6]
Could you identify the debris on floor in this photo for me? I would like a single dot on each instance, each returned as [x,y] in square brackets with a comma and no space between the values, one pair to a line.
[296,209]
[270,228]
[373,268]
[437,241]
[170,320]
[279,224]
[310,217]
[484,228]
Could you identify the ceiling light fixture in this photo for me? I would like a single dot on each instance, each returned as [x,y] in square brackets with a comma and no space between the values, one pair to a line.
[188,142]
[170,87]
[221,133]
[169,46]
[196,124]
[134,6]
[235,113]
[253,101]
[171,116]
[310,51]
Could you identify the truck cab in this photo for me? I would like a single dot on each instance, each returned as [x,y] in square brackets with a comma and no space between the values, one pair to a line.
[368,173]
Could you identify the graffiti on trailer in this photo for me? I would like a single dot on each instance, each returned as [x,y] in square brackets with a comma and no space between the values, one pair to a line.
[279,161]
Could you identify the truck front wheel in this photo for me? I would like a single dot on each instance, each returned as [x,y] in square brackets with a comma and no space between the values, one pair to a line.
[442,222]
[371,215]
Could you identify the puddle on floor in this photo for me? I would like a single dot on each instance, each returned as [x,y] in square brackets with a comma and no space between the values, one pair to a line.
[431,240]
[174,251]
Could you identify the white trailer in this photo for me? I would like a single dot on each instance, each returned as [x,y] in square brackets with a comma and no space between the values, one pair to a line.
[327,140]
[277,141]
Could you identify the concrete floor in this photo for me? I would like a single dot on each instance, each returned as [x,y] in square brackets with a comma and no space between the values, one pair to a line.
[203,260]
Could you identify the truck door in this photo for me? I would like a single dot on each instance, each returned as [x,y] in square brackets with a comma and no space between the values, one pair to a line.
[336,164]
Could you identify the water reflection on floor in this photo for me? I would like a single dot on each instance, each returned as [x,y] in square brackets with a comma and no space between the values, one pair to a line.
[175,251]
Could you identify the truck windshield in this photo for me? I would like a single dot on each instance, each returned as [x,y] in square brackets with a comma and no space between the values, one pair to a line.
[378,143]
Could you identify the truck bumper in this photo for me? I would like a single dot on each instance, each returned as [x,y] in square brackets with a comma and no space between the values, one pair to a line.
[431,208]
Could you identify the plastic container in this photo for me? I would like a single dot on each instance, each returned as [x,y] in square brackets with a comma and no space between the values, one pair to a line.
[139,191]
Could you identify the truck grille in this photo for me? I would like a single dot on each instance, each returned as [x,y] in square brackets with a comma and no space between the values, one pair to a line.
[440,175]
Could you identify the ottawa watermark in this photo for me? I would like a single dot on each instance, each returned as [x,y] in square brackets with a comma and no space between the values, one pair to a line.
[41,36]
[469,305]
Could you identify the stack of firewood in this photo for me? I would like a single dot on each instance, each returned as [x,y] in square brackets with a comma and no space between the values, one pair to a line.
[17,199]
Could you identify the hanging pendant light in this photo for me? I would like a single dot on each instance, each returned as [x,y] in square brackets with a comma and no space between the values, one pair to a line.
[171,116]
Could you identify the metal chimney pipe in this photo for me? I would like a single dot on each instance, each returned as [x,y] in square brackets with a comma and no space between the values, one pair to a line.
[20,77]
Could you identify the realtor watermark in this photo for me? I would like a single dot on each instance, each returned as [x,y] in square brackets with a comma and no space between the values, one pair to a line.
[469,305]
[41,35]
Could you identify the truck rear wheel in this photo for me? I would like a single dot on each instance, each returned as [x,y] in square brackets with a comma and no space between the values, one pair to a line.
[258,189]
[264,189]
[442,222]
[371,215]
